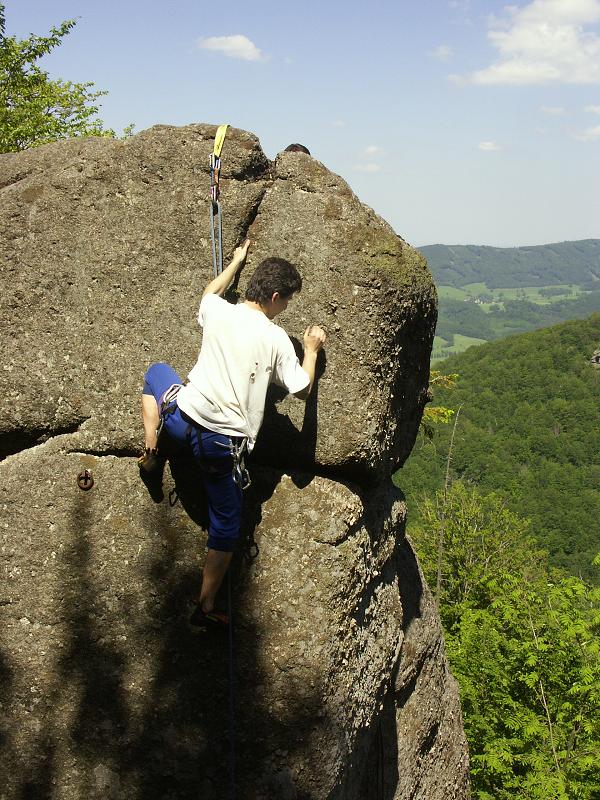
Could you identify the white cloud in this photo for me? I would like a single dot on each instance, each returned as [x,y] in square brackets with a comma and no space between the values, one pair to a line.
[592,109]
[237,46]
[370,166]
[553,111]
[369,157]
[338,123]
[459,5]
[587,135]
[443,53]
[488,146]
[545,41]
[462,9]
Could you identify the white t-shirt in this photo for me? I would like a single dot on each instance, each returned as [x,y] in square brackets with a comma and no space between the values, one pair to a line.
[242,352]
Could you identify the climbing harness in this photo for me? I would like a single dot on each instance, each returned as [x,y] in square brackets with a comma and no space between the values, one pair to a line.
[168,405]
[239,473]
[216,226]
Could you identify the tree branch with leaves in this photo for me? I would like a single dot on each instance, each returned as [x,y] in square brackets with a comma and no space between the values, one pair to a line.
[34,109]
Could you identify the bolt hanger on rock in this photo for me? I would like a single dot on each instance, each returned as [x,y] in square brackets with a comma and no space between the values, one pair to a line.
[85,480]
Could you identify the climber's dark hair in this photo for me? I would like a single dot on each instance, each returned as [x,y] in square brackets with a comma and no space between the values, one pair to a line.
[273,275]
[297,148]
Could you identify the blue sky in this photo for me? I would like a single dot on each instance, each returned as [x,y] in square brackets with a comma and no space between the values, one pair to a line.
[459,121]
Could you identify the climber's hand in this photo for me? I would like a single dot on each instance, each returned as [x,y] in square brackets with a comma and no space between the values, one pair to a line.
[240,253]
[314,338]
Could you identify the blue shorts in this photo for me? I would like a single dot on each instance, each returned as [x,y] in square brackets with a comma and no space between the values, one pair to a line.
[212,451]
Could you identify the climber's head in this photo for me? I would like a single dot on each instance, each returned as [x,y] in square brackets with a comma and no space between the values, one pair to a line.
[297,148]
[272,285]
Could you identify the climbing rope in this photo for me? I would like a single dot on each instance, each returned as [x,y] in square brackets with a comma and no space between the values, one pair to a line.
[216,238]
[231,693]
[216,224]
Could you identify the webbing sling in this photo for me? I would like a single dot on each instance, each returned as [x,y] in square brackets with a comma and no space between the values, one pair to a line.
[216,227]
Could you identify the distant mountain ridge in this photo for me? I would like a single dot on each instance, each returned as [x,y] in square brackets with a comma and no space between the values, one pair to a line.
[576,262]
[487,293]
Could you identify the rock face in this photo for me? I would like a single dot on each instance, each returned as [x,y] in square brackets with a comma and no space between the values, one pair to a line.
[338,686]
[106,251]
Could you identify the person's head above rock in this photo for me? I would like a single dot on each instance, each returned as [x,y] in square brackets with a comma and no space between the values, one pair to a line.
[297,148]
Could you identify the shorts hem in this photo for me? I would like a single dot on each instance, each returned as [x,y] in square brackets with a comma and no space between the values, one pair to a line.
[221,544]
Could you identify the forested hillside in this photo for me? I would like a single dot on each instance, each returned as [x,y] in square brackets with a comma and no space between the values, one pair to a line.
[508,267]
[528,429]
[522,634]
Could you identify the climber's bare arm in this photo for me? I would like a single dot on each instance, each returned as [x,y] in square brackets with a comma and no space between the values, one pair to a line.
[314,339]
[219,284]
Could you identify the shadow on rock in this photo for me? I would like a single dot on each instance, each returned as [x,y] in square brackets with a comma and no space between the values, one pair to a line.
[189,488]
[281,444]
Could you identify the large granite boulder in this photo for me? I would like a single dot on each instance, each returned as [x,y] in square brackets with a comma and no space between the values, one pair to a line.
[336,684]
[105,252]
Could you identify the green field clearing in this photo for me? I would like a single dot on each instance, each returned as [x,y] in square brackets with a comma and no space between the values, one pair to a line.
[452,292]
[475,289]
[533,294]
[461,343]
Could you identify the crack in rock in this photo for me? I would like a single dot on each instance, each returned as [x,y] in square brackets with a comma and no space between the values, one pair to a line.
[17,441]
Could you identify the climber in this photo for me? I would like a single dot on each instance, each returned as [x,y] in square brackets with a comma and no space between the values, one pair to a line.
[297,148]
[217,414]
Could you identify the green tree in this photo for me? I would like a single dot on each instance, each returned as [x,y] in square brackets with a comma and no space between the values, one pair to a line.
[481,537]
[33,108]
[523,642]
[437,415]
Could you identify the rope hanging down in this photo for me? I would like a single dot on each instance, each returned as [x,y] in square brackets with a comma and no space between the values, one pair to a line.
[216,238]
[216,227]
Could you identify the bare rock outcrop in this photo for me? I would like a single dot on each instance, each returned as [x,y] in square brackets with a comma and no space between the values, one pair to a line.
[340,686]
[105,249]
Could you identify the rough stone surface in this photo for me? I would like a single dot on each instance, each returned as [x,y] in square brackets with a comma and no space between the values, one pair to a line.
[376,295]
[105,251]
[341,689]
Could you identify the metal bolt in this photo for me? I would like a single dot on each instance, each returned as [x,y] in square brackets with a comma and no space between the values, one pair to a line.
[85,481]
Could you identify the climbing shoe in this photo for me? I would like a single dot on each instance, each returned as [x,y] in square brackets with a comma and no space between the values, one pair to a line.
[150,461]
[209,621]
[151,467]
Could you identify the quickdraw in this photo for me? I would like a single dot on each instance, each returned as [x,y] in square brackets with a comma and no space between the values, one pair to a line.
[216,225]
[239,472]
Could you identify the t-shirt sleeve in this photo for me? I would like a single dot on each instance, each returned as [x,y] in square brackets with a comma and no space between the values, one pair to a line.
[209,304]
[288,372]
